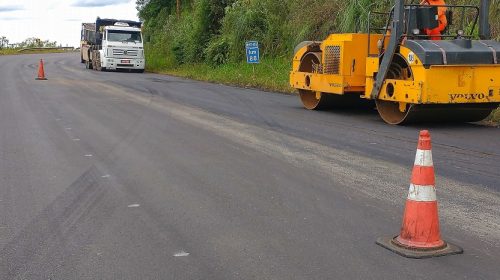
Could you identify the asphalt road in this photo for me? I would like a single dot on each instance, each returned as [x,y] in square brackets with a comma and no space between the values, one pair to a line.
[144,176]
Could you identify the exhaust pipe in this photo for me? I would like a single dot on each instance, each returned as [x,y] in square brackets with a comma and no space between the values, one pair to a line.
[484,24]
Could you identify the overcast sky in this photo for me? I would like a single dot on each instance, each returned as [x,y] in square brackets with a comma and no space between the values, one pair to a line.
[57,20]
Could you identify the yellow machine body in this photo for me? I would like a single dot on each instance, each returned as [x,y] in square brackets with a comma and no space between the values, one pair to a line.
[439,84]
[348,65]
[343,65]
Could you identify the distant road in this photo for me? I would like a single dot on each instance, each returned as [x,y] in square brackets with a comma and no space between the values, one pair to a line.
[143,176]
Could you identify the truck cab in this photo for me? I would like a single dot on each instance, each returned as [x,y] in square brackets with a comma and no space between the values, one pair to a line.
[111,44]
[122,48]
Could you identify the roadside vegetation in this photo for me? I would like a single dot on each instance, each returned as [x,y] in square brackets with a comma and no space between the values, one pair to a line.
[28,46]
[495,117]
[205,39]
[34,51]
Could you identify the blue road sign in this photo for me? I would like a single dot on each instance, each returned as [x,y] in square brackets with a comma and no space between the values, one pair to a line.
[252,50]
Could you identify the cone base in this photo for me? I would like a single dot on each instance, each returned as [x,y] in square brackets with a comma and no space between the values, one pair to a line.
[40,79]
[415,253]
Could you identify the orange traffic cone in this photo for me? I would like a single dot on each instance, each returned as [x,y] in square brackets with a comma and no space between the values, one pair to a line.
[41,72]
[420,236]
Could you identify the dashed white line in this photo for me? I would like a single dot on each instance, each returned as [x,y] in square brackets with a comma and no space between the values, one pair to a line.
[181,254]
[88,155]
[133,205]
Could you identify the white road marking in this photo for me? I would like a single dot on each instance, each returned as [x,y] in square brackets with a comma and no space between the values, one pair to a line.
[181,254]
[133,205]
[105,176]
[89,155]
[68,128]
[76,139]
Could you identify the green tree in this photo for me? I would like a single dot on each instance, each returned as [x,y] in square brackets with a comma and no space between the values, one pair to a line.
[4,42]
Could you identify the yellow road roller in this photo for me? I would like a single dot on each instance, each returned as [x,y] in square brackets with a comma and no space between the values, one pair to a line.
[420,65]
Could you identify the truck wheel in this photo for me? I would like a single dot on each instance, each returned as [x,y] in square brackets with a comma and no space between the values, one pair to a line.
[98,65]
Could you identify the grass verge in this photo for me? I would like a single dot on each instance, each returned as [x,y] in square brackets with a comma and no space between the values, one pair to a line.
[495,117]
[270,74]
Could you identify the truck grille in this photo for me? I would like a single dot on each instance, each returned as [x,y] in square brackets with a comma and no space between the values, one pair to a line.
[127,53]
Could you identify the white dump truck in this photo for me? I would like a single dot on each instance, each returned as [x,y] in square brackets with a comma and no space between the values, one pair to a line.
[110,44]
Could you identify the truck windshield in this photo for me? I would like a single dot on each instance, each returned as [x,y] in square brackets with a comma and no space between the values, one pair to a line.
[124,36]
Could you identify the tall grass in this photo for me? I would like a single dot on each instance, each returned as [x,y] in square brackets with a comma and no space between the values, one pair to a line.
[271,74]
[355,14]
[215,31]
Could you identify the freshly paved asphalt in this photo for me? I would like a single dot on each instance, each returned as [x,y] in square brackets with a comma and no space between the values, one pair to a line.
[143,176]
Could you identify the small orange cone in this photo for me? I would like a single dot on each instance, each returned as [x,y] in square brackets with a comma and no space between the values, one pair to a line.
[420,236]
[41,72]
